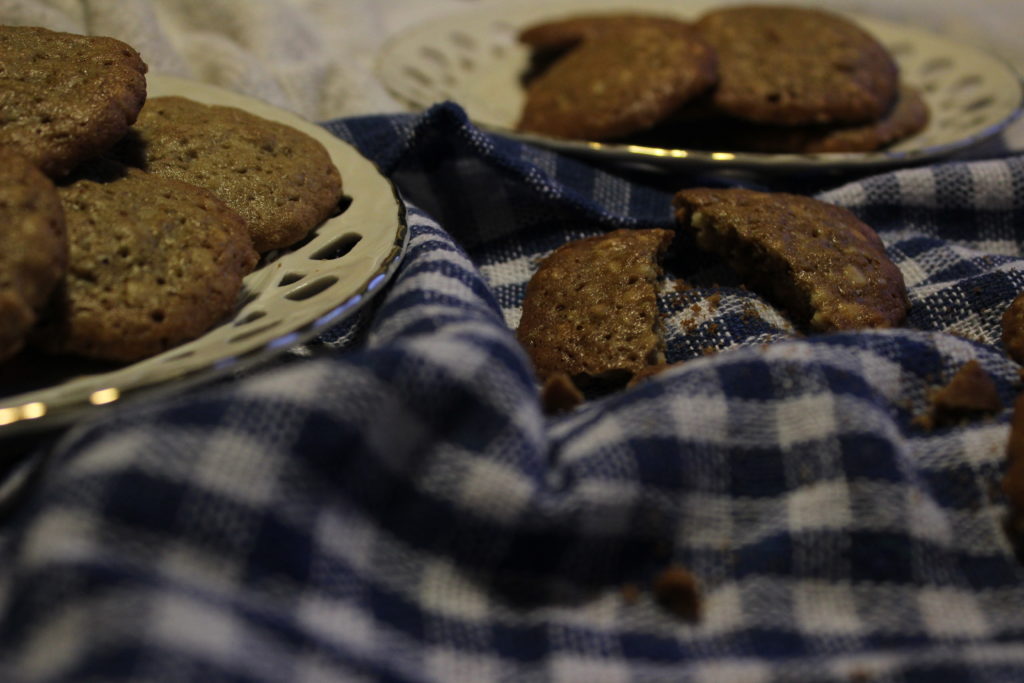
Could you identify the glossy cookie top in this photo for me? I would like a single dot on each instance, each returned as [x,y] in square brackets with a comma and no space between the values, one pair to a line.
[65,98]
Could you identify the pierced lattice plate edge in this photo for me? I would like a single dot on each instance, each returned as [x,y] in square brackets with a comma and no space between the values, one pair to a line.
[291,296]
[473,58]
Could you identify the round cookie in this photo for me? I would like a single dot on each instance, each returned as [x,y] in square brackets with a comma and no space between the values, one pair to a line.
[154,262]
[66,98]
[617,82]
[561,34]
[35,249]
[817,261]
[280,180]
[797,66]
[908,116]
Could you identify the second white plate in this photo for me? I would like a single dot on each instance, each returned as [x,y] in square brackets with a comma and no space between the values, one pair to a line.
[474,59]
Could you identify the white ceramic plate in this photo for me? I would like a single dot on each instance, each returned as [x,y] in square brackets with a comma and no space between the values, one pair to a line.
[474,59]
[290,297]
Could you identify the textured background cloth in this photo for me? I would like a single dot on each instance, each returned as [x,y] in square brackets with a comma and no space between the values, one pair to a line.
[401,509]
[389,503]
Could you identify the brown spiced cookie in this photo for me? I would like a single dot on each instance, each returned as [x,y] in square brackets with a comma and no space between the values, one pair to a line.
[65,98]
[280,180]
[561,34]
[1013,329]
[35,250]
[908,116]
[154,262]
[819,262]
[797,66]
[617,82]
[591,309]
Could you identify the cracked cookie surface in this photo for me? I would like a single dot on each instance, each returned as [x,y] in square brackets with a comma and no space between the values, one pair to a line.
[819,262]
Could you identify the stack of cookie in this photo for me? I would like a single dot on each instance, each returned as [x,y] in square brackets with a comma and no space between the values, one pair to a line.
[752,78]
[130,224]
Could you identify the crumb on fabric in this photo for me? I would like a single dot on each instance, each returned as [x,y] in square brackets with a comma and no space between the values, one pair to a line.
[971,394]
[1012,483]
[559,394]
[676,589]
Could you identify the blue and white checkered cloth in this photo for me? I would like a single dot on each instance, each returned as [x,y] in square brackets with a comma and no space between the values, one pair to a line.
[395,506]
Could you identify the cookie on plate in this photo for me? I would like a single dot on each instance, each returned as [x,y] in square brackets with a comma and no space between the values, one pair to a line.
[591,309]
[35,249]
[817,261]
[561,34]
[908,116]
[280,180]
[154,262]
[616,82]
[66,98]
[797,66]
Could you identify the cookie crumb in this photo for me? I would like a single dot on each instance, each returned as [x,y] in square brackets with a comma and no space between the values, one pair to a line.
[970,394]
[676,589]
[630,593]
[559,394]
[1012,323]
[1013,480]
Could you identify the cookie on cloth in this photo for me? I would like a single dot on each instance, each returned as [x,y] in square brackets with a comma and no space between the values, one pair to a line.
[591,309]
[817,261]
[1013,329]
[154,262]
[66,98]
[908,116]
[280,180]
[616,82]
[797,66]
[35,250]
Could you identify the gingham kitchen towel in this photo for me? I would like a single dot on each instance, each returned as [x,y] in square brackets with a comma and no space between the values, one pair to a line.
[397,507]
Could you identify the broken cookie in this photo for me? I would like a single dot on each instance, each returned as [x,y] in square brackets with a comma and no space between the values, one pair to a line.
[817,261]
[591,309]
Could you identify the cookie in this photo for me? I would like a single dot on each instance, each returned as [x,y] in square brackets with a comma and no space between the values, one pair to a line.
[562,34]
[819,262]
[797,66]
[1012,482]
[280,180]
[591,309]
[66,98]
[35,249]
[969,395]
[908,116]
[1013,329]
[154,262]
[617,82]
